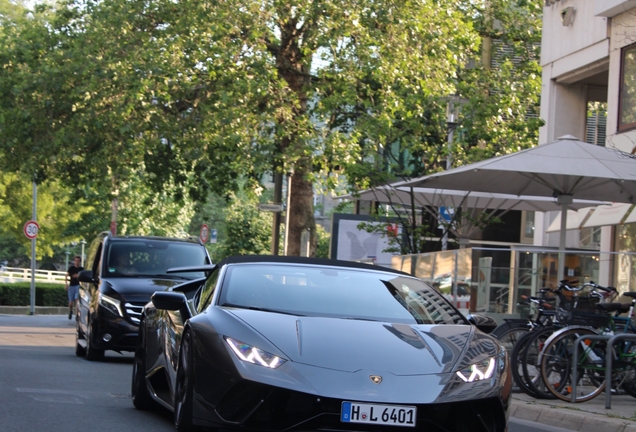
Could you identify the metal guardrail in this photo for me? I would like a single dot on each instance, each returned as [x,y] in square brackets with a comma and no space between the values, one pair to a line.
[15,274]
[611,340]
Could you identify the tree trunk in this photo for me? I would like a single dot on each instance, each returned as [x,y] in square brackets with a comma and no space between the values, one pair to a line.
[294,66]
[301,212]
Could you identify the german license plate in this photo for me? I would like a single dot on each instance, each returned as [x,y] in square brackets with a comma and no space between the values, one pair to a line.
[394,415]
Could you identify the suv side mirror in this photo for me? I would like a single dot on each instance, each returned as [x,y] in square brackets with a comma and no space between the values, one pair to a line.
[484,323]
[86,276]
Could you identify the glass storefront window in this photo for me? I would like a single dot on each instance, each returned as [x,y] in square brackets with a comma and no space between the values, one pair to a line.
[495,281]
[625,259]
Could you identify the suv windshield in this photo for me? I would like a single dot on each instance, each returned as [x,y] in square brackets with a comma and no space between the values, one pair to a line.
[153,258]
[335,292]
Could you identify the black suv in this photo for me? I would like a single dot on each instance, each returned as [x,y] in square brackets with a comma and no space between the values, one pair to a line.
[122,273]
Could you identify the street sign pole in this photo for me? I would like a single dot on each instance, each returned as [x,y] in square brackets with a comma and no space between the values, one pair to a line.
[287,212]
[33,218]
[278,197]
[204,233]
[113,218]
[445,214]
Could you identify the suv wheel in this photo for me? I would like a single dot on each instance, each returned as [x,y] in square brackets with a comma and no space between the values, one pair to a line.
[80,351]
[92,354]
[184,392]
[139,391]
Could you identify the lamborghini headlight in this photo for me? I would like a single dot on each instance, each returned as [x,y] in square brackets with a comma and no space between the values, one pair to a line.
[254,355]
[479,371]
[113,305]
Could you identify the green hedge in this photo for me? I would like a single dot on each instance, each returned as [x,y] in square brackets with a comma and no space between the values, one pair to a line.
[46,294]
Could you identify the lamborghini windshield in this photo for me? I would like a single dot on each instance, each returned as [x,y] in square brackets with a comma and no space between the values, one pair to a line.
[349,293]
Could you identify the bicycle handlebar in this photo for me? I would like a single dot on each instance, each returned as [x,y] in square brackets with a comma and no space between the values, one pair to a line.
[597,286]
[564,284]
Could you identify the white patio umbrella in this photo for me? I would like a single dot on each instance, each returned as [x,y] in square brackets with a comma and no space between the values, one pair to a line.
[564,169]
[487,203]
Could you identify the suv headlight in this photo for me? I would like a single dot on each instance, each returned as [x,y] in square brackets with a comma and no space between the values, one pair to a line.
[111,304]
[254,355]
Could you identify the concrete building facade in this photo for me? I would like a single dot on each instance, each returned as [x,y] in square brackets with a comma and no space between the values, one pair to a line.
[588,56]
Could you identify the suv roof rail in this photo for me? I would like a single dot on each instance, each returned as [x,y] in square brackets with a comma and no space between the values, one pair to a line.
[194,238]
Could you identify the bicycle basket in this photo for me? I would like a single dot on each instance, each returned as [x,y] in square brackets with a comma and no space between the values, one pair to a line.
[595,319]
[579,303]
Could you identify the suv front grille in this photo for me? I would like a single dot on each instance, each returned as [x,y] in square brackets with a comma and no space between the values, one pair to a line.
[134,312]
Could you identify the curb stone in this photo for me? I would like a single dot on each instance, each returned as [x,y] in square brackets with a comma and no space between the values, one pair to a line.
[39,310]
[575,419]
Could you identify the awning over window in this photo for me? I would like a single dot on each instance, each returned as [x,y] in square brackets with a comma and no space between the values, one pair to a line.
[598,216]
[574,220]
[631,217]
[607,215]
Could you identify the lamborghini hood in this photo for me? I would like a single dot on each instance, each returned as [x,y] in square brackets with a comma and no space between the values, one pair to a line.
[351,345]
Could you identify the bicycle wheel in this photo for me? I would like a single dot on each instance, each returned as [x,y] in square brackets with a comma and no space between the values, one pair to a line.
[624,367]
[509,333]
[556,365]
[629,384]
[624,373]
[530,362]
[516,362]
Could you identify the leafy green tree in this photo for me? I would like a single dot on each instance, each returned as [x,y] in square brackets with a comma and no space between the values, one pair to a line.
[324,238]
[498,86]
[498,83]
[145,211]
[11,12]
[196,96]
[56,212]
[183,88]
[502,86]
[246,230]
[60,123]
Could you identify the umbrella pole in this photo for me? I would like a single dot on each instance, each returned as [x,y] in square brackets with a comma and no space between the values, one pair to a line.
[564,201]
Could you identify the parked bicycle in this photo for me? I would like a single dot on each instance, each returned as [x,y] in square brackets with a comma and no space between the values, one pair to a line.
[543,307]
[525,353]
[556,357]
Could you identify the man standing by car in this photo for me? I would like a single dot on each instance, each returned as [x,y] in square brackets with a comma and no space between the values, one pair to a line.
[72,283]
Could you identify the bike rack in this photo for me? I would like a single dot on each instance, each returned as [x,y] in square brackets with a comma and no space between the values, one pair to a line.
[611,340]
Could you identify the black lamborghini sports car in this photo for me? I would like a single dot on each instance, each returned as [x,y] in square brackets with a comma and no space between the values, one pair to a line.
[299,344]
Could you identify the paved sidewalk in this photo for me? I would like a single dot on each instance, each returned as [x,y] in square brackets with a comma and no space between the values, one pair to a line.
[590,416]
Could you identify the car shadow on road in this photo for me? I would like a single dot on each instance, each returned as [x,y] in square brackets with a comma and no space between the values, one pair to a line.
[114,357]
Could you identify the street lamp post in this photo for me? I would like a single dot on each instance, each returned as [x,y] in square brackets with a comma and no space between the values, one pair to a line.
[82,242]
[453,107]
[290,174]
[278,197]
[67,254]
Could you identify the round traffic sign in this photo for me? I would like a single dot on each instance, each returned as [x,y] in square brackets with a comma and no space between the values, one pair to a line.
[31,229]
[205,233]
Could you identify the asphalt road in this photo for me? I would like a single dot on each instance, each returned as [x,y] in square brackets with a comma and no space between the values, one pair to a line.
[45,387]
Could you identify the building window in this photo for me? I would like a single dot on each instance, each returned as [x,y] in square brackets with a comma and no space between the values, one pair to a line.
[595,126]
[527,227]
[627,99]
